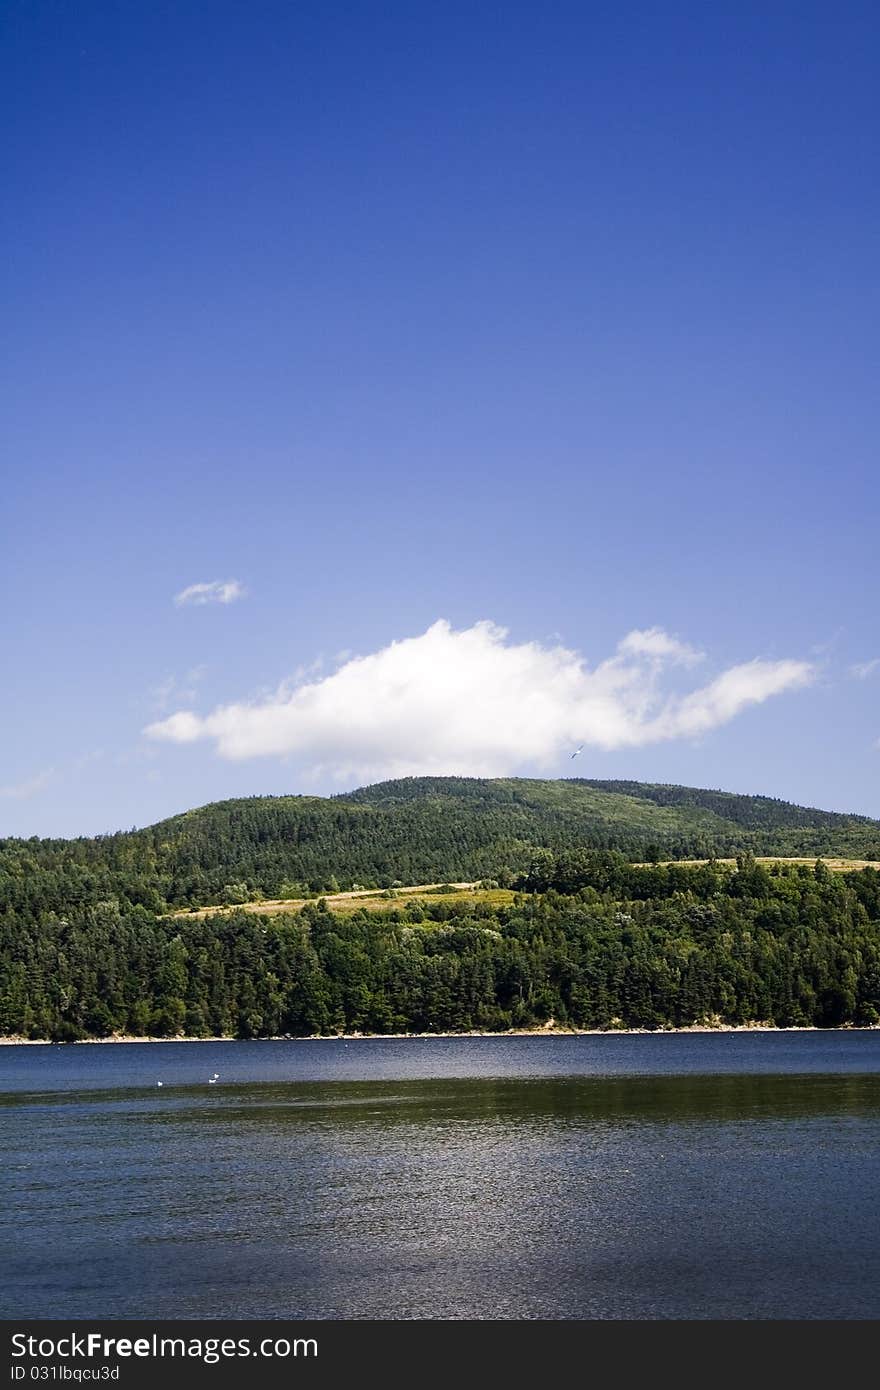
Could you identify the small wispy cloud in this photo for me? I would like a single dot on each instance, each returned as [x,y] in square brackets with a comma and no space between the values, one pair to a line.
[87,759]
[473,702]
[21,791]
[861,670]
[176,689]
[217,591]
[656,644]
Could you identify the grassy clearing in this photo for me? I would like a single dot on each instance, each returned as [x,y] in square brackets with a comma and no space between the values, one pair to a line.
[495,897]
[837,866]
[373,900]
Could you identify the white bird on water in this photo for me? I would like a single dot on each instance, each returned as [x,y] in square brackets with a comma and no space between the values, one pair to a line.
[160,1083]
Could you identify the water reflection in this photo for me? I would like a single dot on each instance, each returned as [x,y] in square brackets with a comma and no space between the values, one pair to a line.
[561,1197]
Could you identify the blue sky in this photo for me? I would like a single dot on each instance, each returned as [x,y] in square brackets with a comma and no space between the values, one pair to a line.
[497,333]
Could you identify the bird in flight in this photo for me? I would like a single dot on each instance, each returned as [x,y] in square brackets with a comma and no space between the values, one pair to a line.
[578,750]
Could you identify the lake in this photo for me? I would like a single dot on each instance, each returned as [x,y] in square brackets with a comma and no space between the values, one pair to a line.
[730,1175]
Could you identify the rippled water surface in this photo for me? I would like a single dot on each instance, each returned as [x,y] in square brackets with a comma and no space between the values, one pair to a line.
[657,1176]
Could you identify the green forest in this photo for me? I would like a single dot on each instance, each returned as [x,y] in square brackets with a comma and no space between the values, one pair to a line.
[99,936]
[588,941]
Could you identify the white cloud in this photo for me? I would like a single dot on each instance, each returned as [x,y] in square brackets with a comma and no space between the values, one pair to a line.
[21,791]
[863,669]
[734,690]
[218,591]
[473,702]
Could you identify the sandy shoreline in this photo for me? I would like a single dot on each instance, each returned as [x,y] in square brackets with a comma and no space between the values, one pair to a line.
[508,1033]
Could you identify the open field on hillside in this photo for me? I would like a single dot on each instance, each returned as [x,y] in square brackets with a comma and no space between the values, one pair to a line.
[379,900]
[837,866]
[373,899]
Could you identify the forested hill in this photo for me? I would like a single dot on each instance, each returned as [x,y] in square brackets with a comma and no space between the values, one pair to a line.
[415,830]
[94,941]
[716,812]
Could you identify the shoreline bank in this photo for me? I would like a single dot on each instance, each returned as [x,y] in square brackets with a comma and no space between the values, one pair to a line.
[507,1033]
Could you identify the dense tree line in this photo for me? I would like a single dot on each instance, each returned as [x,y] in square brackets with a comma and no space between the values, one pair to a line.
[415,830]
[591,942]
